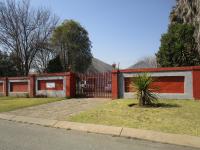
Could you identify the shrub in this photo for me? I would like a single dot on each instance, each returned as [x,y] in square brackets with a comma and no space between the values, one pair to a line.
[145,93]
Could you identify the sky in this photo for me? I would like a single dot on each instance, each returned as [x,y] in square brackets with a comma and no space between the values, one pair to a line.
[121,31]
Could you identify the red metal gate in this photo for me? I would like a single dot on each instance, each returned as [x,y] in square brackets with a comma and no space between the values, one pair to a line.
[94,85]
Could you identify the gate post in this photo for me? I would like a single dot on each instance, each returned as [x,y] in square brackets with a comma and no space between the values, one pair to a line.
[32,86]
[5,86]
[70,84]
[115,84]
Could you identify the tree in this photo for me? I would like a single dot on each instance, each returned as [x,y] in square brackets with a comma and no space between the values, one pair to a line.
[42,60]
[54,65]
[7,66]
[178,47]
[24,31]
[142,84]
[73,45]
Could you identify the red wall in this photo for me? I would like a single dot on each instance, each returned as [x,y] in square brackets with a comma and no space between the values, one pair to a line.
[19,86]
[1,87]
[196,84]
[58,84]
[169,84]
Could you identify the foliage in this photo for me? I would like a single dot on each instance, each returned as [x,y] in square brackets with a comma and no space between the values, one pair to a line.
[178,47]
[24,31]
[142,84]
[55,65]
[73,45]
[7,66]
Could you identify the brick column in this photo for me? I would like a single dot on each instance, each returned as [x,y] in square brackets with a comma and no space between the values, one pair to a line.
[5,86]
[32,86]
[115,85]
[70,85]
[196,84]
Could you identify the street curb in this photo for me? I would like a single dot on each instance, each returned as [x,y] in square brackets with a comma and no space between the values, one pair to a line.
[168,138]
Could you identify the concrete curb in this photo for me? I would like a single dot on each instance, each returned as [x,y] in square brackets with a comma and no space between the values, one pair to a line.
[177,139]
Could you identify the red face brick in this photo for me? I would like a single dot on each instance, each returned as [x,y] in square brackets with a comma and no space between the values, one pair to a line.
[1,87]
[19,86]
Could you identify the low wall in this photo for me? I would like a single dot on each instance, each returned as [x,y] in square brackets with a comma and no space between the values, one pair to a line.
[168,83]
[50,85]
[1,88]
[54,86]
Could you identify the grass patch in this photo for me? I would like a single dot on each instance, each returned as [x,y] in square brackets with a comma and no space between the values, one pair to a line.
[12,103]
[171,116]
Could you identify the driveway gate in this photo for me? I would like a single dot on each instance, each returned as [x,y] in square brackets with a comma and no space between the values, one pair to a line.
[94,85]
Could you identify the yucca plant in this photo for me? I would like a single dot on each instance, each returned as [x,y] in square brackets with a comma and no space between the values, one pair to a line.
[145,93]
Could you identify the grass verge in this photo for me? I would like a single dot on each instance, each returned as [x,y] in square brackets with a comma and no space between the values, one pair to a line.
[171,116]
[12,103]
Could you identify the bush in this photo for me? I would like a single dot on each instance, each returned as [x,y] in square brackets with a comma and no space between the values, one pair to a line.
[144,91]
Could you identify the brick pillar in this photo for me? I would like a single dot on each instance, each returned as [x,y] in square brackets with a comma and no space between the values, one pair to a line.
[70,85]
[196,84]
[32,86]
[5,87]
[115,85]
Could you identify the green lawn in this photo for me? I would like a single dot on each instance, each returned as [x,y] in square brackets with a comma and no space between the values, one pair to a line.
[173,116]
[12,103]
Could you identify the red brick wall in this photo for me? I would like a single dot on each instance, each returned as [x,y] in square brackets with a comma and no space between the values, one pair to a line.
[58,84]
[115,88]
[196,84]
[169,84]
[19,86]
[1,87]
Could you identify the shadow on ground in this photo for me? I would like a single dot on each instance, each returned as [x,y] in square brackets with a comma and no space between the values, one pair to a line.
[156,105]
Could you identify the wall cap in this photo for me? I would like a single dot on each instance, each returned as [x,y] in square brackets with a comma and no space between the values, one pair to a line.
[163,69]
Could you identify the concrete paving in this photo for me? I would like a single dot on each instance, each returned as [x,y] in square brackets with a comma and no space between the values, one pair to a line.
[59,110]
[18,136]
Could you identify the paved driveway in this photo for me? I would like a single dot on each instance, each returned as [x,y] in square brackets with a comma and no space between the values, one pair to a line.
[59,110]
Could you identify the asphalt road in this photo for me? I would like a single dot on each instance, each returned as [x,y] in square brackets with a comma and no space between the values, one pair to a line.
[18,136]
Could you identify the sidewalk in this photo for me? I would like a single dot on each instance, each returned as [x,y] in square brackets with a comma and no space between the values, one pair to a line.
[183,140]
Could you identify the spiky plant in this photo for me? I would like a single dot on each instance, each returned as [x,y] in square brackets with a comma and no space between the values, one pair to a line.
[145,93]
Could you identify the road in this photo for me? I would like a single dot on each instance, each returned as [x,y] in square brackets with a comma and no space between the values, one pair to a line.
[19,136]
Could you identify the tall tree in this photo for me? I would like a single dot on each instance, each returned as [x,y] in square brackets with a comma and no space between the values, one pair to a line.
[73,46]
[24,31]
[178,47]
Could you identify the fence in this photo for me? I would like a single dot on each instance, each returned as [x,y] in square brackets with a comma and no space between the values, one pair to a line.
[173,83]
[50,85]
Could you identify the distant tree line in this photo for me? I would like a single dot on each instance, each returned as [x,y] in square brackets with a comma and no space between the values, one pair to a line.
[32,38]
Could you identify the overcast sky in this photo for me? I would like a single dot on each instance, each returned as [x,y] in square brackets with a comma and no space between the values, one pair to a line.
[121,31]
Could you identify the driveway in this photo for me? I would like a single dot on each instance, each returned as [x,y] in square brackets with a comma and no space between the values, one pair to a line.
[59,110]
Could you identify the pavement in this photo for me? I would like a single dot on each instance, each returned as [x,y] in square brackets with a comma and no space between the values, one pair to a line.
[59,110]
[19,136]
[176,139]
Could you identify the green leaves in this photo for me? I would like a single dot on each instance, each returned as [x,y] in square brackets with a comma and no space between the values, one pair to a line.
[73,45]
[178,47]
[142,84]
